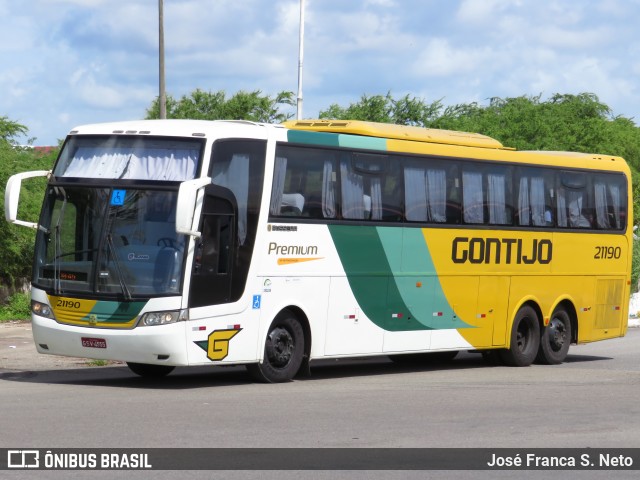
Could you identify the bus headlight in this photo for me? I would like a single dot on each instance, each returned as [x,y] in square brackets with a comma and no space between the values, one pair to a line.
[41,309]
[163,318]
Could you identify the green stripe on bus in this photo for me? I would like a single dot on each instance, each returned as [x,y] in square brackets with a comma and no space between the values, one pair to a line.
[370,278]
[313,138]
[116,312]
[416,279]
[366,143]
[336,140]
[397,291]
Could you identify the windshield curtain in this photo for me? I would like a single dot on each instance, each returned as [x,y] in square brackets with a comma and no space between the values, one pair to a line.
[119,242]
[129,158]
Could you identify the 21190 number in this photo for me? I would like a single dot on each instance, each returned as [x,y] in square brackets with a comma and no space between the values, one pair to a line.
[607,253]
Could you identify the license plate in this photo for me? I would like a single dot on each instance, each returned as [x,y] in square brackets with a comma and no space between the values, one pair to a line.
[94,342]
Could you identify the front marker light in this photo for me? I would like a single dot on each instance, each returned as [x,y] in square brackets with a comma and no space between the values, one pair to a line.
[41,309]
[163,318]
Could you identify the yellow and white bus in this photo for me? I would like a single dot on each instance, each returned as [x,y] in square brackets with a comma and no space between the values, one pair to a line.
[173,243]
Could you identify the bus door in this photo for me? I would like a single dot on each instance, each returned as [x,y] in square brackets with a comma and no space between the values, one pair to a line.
[213,263]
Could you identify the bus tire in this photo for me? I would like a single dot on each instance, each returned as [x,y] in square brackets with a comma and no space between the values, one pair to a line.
[283,351]
[525,339]
[150,371]
[555,339]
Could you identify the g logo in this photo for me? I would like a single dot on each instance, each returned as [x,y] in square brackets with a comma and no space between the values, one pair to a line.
[218,345]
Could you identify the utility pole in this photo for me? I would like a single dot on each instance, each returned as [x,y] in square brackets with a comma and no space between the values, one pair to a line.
[300,58]
[162,97]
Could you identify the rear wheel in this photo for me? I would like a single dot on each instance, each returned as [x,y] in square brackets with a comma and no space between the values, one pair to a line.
[283,351]
[150,371]
[555,339]
[525,339]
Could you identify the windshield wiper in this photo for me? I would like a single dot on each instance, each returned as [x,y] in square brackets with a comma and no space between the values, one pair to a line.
[126,167]
[75,252]
[123,284]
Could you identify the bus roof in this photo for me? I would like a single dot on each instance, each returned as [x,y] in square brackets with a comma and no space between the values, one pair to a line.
[169,127]
[399,132]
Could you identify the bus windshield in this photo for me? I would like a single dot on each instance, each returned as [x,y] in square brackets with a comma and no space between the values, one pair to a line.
[112,241]
[129,158]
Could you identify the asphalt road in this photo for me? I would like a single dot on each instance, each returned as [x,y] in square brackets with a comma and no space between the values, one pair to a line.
[590,401]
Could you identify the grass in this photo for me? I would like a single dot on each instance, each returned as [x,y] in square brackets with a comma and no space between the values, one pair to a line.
[17,308]
[98,363]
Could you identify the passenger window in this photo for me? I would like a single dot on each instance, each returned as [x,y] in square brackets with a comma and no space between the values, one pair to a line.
[610,201]
[575,206]
[370,188]
[536,197]
[498,201]
[425,191]
[304,183]
[472,196]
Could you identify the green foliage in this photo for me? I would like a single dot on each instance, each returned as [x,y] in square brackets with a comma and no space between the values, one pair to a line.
[9,130]
[385,109]
[579,123]
[98,363]
[201,105]
[17,308]
[635,266]
[17,252]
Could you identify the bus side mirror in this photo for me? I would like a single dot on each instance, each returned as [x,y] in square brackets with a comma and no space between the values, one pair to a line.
[188,203]
[12,196]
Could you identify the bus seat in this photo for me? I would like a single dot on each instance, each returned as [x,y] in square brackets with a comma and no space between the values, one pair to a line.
[292,204]
[366,200]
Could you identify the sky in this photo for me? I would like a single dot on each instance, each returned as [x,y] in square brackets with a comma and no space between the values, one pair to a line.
[70,62]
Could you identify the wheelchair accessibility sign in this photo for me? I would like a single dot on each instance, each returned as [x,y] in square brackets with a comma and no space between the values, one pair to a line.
[256,302]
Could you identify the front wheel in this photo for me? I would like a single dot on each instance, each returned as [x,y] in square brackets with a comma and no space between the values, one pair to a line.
[283,351]
[555,339]
[150,371]
[525,339]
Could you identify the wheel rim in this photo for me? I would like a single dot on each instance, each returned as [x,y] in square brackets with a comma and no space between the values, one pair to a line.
[557,334]
[522,335]
[280,347]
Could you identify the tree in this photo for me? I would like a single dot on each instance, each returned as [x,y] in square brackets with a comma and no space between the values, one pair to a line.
[201,105]
[9,130]
[564,122]
[406,110]
[16,256]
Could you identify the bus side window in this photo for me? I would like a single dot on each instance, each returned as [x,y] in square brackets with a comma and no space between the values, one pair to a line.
[472,197]
[303,183]
[499,210]
[425,193]
[370,187]
[575,208]
[609,202]
[535,198]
